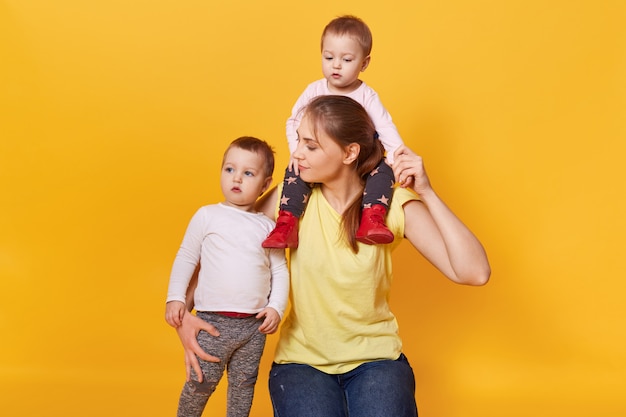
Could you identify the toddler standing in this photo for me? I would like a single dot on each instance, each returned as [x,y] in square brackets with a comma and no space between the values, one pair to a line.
[242,288]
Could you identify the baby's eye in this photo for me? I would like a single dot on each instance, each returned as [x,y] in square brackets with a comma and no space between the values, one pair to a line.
[228,169]
[249,174]
[328,58]
[348,59]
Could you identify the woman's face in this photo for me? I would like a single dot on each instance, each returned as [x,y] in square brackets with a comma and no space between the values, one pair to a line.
[319,157]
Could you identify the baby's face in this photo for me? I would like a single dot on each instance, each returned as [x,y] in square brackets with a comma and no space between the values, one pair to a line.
[343,60]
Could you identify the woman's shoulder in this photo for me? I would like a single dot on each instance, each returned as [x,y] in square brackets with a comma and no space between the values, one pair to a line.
[395,216]
[401,196]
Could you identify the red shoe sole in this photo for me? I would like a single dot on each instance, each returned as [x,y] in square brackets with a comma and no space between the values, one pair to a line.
[375,239]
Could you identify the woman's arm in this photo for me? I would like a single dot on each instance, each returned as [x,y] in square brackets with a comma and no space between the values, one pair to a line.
[436,231]
[267,203]
[188,333]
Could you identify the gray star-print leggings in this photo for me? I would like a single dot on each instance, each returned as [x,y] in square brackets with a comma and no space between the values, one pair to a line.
[239,347]
[378,190]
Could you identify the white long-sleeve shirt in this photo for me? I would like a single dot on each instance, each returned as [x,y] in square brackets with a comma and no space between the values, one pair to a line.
[236,273]
[364,95]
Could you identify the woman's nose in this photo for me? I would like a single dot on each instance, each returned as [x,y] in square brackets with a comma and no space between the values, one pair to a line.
[297,154]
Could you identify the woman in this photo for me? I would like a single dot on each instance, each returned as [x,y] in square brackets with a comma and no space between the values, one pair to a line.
[339,352]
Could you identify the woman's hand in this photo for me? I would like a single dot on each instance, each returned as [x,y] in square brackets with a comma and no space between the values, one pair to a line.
[188,333]
[409,171]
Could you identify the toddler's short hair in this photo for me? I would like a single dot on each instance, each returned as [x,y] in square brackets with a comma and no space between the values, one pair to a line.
[258,146]
[353,27]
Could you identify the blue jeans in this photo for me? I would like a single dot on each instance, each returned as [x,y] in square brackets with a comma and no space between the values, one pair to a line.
[384,388]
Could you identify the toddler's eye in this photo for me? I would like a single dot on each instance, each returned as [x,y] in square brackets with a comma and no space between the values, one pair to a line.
[249,174]
[228,169]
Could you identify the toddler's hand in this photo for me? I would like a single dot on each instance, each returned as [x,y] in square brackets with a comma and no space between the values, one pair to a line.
[293,166]
[174,312]
[271,322]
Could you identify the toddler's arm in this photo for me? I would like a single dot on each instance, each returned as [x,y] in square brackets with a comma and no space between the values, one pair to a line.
[296,115]
[279,293]
[386,129]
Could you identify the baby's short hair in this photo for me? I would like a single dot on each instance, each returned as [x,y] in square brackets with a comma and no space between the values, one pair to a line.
[352,26]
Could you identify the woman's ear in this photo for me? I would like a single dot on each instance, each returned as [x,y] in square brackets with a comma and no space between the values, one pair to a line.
[352,153]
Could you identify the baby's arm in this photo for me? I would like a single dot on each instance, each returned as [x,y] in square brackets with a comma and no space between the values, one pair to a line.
[291,130]
[386,129]
[310,92]
[293,122]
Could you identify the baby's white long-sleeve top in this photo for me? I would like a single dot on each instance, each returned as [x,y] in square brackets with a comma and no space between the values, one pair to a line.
[236,273]
[364,95]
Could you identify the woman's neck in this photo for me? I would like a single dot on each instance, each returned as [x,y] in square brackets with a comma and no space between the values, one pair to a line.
[341,193]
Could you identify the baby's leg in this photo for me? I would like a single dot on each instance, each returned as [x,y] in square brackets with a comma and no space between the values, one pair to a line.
[379,186]
[376,200]
[296,193]
[293,200]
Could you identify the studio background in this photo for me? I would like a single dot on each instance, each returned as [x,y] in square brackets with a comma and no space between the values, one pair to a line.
[113,119]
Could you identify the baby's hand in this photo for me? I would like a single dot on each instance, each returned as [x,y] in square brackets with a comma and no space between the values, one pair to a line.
[174,312]
[271,322]
[293,165]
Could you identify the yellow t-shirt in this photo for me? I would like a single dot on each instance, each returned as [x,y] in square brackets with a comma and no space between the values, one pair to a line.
[339,316]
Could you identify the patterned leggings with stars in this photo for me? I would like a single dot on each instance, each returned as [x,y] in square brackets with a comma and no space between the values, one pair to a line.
[378,190]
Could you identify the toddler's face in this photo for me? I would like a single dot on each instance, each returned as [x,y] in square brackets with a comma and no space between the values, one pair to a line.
[343,60]
[243,178]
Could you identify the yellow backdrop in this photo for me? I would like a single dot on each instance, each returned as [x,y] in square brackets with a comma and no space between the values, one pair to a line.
[113,118]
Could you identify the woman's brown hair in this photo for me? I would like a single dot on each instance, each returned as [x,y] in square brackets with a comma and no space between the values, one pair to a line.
[346,122]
